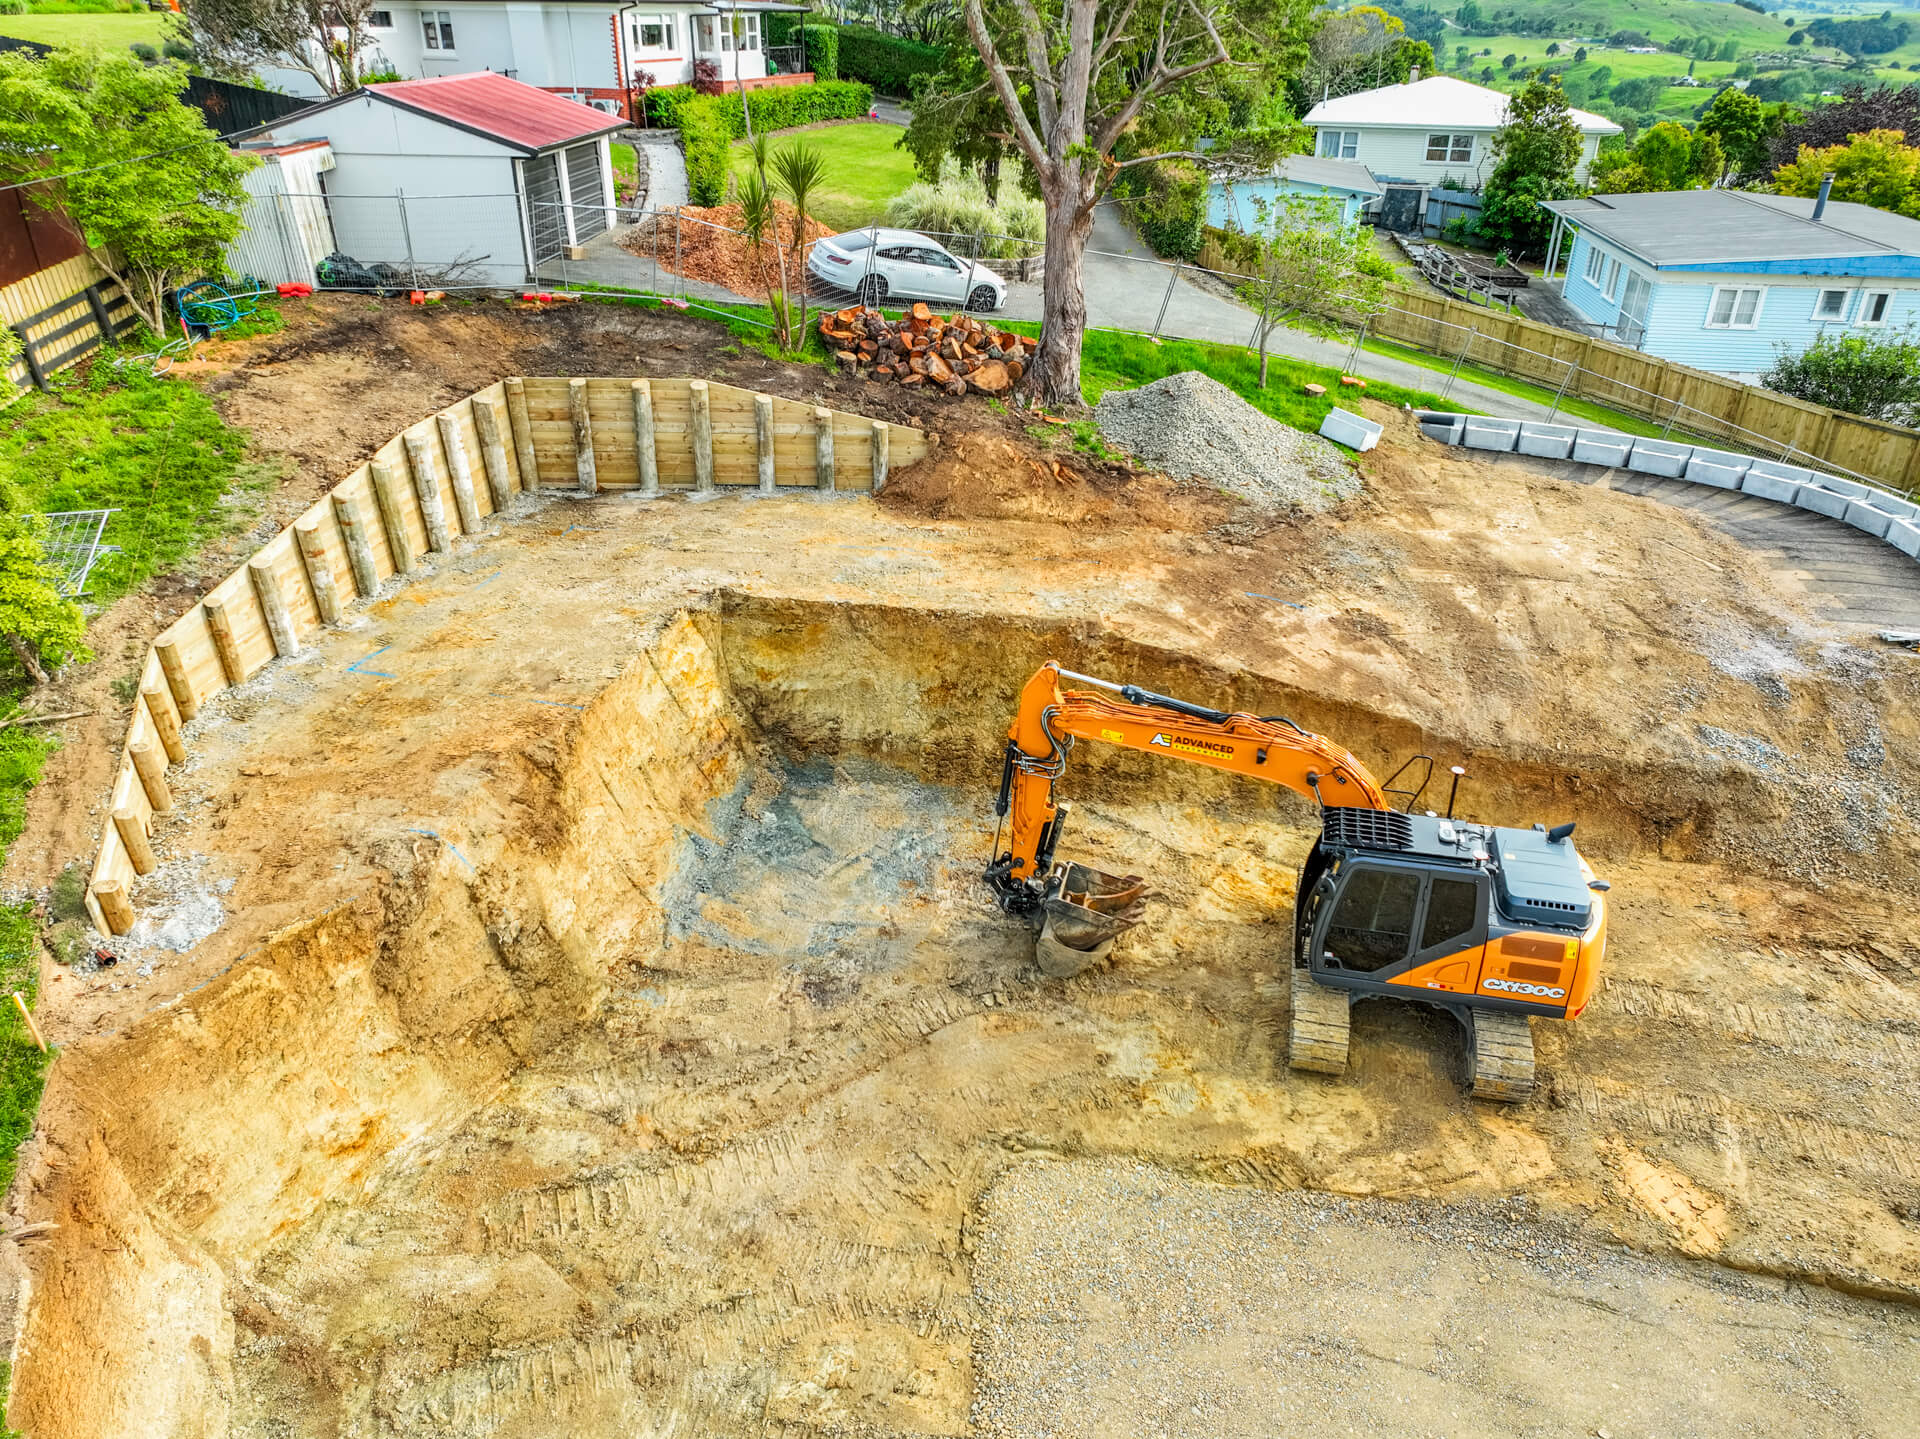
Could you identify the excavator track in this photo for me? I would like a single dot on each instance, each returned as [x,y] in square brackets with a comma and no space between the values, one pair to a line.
[1317,1033]
[1502,1056]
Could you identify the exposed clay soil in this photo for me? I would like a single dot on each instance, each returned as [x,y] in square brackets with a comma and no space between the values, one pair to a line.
[606,1032]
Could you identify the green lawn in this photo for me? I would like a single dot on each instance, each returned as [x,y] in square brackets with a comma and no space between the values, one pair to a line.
[106,32]
[864,170]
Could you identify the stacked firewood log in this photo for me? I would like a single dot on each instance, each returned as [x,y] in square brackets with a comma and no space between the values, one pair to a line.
[956,354]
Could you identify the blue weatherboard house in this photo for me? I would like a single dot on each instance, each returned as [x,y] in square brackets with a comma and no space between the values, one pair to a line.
[1722,280]
[1349,184]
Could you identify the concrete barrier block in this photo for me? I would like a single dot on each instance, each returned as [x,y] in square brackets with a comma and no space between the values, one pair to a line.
[1447,429]
[1719,468]
[1792,474]
[1344,427]
[1852,489]
[1769,487]
[1900,509]
[1822,501]
[1487,433]
[1659,457]
[1602,447]
[1549,442]
[1904,536]
[1871,518]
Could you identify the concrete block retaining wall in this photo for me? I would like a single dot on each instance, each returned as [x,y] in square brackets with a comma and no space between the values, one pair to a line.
[1876,512]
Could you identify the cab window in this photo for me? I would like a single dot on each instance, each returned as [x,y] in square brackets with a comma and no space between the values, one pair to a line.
[1373,927]
[1452,910]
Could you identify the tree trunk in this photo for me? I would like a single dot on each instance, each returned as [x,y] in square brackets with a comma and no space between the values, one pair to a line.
[29,658]
[990,177]
[1054,376]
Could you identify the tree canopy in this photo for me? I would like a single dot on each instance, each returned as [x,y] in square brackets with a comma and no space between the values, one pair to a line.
[325,38]
[1878,168]
[1537,151]
[1739,122]
[1665,157]
[154,193]
[41,629]
[1857,111]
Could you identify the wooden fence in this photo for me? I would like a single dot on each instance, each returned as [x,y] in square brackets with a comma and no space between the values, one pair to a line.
[23,305]
[1743,416]
[437,480]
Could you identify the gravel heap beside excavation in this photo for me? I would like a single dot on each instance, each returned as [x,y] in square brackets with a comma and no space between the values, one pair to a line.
[1196,428]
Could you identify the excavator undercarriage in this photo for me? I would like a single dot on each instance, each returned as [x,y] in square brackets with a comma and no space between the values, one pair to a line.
[1491,924]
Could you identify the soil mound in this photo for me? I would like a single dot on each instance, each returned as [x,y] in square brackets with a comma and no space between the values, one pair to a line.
[1194,427]
[706,244]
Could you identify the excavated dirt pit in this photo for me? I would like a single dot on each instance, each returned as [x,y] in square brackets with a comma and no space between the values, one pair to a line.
[607,1033]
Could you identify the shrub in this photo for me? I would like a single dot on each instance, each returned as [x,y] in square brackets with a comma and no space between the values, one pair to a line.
[144,52]
[823,51]
[956,205]
[886,62]
[1873,375]
[709,124]
[1167,202]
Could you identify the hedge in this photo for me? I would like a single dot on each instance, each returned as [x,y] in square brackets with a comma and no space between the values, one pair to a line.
[709,124]
[1167,202]
[822,42]
[886,62]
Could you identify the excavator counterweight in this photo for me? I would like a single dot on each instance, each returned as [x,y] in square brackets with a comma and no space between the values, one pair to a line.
[1491,924]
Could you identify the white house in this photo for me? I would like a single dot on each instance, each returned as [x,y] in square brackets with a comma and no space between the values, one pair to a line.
[587,50]
[1436,131]
[465,179]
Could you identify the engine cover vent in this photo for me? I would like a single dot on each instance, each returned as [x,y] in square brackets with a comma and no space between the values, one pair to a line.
[1354,828]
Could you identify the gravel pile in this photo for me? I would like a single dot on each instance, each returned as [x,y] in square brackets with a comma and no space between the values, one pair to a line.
[1194,427]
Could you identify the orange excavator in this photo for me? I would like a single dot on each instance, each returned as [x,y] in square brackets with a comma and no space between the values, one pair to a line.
[1493,925]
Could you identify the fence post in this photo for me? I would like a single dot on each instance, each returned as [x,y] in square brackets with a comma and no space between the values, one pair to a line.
[1359,343]
[1173,278]
[1560,393]
[406,234]
[1459,360]
[1667,428]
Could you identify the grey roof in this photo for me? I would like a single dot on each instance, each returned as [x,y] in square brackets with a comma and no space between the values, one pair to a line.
[1330,174]
[1700,227]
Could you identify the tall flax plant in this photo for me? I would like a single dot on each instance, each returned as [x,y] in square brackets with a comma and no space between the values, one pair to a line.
[759,221]
[800,170]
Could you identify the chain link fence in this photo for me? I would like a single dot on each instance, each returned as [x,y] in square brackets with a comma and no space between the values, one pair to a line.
[400,242]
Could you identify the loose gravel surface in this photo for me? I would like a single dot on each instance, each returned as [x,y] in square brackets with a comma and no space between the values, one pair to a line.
[1123,1300]
[1194,427]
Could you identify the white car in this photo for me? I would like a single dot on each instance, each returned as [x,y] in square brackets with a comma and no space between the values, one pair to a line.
[893,265]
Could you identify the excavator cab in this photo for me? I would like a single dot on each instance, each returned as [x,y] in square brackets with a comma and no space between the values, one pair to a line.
[1491,924]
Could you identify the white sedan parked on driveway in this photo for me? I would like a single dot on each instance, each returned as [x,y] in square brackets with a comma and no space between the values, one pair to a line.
[893,265]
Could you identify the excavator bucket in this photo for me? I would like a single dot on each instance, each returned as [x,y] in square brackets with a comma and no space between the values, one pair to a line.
[1085,907]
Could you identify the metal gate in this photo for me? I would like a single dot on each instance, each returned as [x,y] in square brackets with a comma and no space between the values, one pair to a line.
[545,217]
[589,195]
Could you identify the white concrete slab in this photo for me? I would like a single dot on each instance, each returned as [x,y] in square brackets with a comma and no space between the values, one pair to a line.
[1659,457]
[1602,447]
[1549,442]
[1485,432]
[1356,432]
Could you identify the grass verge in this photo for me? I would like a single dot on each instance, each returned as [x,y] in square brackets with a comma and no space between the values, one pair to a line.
[1522,389]
[153,450]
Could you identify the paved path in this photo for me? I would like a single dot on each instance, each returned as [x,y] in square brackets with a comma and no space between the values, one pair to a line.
[666,168]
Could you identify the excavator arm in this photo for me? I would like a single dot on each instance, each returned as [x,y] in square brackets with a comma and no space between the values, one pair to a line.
[1050,720]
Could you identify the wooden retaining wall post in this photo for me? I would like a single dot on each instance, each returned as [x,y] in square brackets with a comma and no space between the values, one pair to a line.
[521,423]
[224,644]
[702,437]
[152,770]
[426,485]
[393,519]
[493,453]
[112,898]
[882,439]
[273,605]
[175,669]
[464,501]
[763,440]
[133,835]
[643,451]
[319,567]
[823,449]
[353,531]
[164,724]
[584,469]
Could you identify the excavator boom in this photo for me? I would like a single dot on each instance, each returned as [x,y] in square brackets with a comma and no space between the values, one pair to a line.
[1050,720]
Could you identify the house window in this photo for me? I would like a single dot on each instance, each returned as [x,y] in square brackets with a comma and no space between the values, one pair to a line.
[1734,307]
[380,20]
[651,32]
[1874,306]
[717,35]
[1450,149]
[1596,265]
[746,32]
[1339,144]
[1832,305]
[1613,280]
[437,27]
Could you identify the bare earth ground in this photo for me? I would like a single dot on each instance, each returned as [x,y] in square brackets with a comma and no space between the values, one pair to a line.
[601,1028]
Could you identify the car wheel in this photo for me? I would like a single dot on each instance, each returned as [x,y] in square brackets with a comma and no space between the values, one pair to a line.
[983,298]
[873,291]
